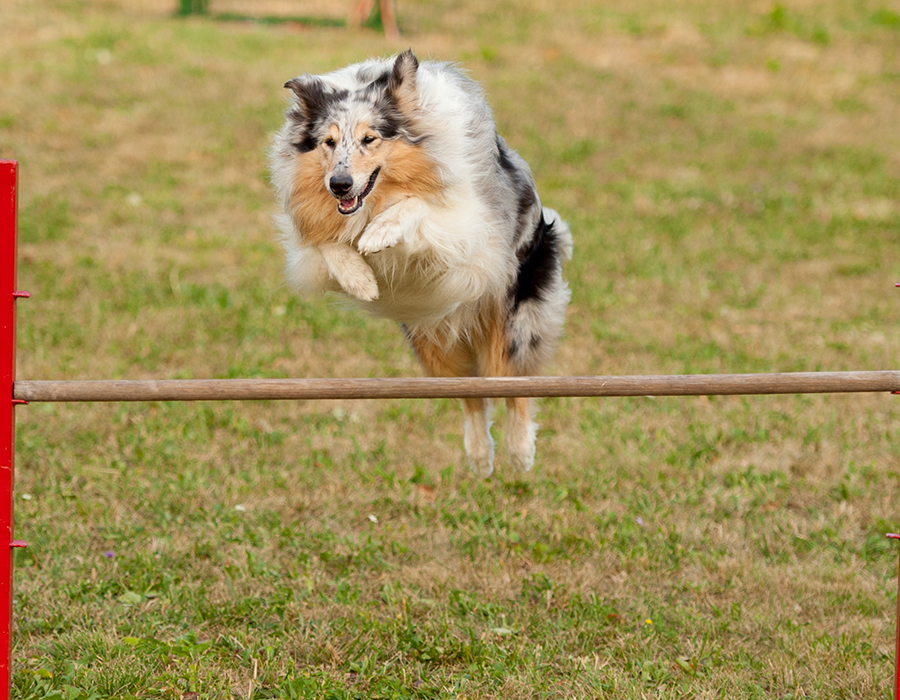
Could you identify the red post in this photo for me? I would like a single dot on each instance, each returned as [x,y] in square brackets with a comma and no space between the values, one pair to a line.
[897,635]
[8,296]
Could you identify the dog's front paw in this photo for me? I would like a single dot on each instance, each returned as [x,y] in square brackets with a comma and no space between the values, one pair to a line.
[350,271]
[381,234]
[363,286]
[395,224]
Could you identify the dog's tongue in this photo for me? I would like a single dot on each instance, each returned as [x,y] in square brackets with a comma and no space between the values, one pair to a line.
[347,204]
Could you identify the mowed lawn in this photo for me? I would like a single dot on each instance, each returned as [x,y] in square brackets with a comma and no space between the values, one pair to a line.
[731,172]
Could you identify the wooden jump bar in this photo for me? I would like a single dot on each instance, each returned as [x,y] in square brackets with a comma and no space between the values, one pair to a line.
[440,387]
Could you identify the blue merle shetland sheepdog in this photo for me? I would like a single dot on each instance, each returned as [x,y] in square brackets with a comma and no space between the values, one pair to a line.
[399,193]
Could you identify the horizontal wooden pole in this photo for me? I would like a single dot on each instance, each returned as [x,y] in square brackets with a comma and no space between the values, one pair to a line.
[456,387]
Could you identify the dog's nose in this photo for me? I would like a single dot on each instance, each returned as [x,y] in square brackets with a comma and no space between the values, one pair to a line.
[340,184]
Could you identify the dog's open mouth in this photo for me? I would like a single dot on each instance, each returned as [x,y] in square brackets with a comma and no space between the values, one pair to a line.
[352,204]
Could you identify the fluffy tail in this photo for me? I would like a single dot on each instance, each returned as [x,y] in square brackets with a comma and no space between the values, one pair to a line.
[564,243]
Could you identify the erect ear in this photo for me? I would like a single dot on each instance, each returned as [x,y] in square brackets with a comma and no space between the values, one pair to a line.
[402,83]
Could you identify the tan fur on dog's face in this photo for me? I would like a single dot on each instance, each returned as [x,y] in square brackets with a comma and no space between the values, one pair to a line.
[402,169]
[356,150]
[312,208]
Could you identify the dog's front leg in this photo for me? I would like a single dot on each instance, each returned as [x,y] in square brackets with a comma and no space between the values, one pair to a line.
[349,270]
[399,222]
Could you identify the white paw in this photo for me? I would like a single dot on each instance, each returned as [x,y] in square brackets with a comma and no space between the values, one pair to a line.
[382,233]
[364,286]
[522,461]
[397,223]
[479,447]
[350,271]
[481,465]
[520,445]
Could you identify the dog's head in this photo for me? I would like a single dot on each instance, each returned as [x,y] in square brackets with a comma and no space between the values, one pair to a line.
[355,132]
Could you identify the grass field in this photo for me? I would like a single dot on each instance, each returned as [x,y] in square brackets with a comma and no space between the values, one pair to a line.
[731,172]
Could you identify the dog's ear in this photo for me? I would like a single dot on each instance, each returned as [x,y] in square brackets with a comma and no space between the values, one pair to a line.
[402,83]
[310,91]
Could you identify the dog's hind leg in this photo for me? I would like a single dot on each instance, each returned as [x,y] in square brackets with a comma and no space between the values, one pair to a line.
[521,432]
[478,441]
[456,359]
[499,357]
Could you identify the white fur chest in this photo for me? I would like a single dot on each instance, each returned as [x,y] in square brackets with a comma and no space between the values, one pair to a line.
[443,267]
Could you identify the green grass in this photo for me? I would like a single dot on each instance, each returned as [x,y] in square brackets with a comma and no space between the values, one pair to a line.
[731,179]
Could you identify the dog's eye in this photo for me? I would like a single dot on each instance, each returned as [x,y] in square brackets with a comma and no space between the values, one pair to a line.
[368,139]
[330,142]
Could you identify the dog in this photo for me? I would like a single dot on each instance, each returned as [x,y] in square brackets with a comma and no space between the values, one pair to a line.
[398,192]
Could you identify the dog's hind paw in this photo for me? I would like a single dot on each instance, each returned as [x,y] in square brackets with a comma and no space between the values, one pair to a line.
[479,446]
[481,465]
[522,462]
[520,438]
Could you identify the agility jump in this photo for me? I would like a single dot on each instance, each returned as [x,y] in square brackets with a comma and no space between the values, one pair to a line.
[26,391]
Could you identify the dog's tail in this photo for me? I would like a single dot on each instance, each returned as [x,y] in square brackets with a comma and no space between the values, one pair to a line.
[564,243]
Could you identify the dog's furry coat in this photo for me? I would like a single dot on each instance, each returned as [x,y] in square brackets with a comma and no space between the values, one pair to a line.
[398,191]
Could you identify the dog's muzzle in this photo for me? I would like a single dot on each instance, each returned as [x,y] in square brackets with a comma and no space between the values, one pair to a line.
[340,186]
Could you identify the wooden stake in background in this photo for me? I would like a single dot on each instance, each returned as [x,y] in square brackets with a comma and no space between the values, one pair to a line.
[363,9]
